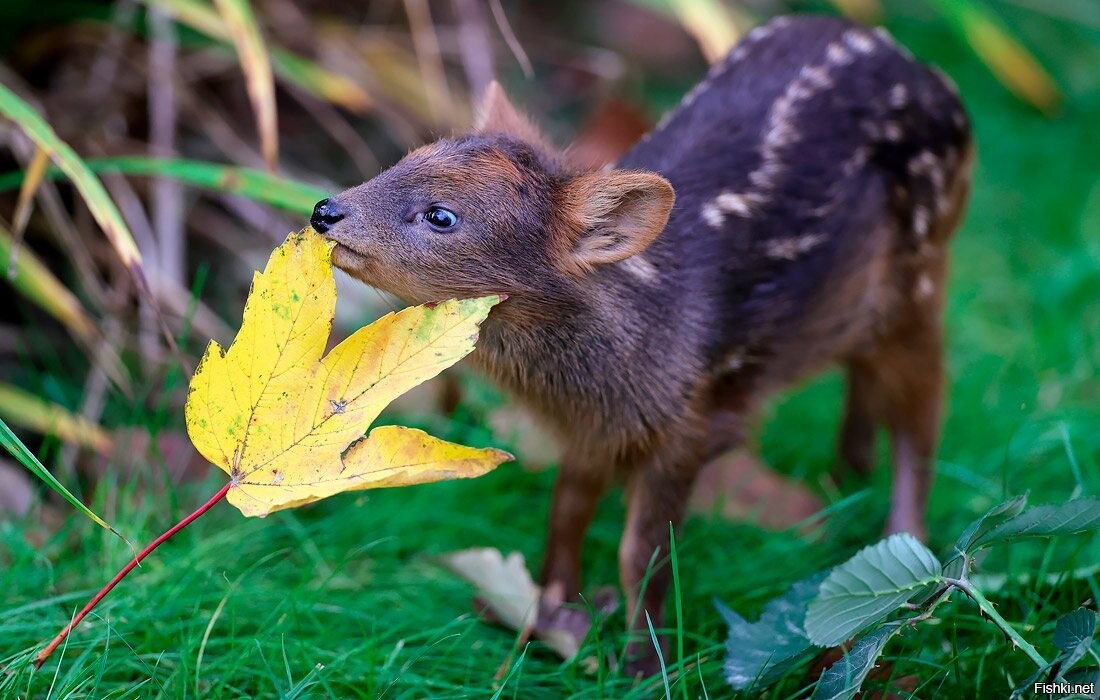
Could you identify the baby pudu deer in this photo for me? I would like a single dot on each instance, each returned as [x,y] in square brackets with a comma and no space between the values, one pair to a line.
[792,213]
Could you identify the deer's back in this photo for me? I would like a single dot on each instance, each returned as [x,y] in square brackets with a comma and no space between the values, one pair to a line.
[808,161]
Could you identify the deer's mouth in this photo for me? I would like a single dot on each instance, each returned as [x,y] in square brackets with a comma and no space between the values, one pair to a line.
[347,258]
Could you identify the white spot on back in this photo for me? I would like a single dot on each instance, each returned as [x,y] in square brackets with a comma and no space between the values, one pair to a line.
[713,215]
[640,266]
[761,32]
[838,55]
[857,160]
[792,248]
[859,41]
[921,221]
[734,361]
[926,164]
[740,204]
[715,211]
[884,35]
[781,131]
[923,163]
[925,287]
[898,96]
[816,77]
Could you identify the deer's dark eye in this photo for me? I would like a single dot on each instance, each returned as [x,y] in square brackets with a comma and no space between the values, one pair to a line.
[441,218]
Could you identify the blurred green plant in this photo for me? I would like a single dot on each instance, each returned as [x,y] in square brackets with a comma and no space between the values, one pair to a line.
[99,202]
[302,72]
[252,52]
[1009,60]
[899,574]
[24,456]
[284,193]
[717,26]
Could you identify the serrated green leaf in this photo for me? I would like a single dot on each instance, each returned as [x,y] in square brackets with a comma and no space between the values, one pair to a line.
[992,518]
[842,680]
[872,584]
[1079,515]
[759,653]
[1073,636]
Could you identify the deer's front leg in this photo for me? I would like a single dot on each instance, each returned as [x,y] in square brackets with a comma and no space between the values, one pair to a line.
[577,493]
[657,499]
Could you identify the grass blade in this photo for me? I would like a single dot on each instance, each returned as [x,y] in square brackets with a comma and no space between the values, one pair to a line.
[713,24]
[99,203]
[244,31]
[149,549]
[35,282]
[1015,67]
[35,170]
[866,11]
[660,656]
[91,189]
[320,81]
[289,195]
[38,285]
[303,73]
[27,410]
[24,456]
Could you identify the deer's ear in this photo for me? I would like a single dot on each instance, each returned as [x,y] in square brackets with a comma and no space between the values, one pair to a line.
[496,115]
[614,214]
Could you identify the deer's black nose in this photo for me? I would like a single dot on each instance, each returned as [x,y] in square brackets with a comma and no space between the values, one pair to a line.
[325,214]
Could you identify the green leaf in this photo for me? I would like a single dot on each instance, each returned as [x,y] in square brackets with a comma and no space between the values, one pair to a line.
[289,195]
[11,442]
[874,583]
[842,680]
[1079,515]
[1073,636]
[244,32]
[99,203]
[992,518]
[759,653]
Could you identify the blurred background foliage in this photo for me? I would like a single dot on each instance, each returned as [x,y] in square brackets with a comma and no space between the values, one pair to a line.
[153,151]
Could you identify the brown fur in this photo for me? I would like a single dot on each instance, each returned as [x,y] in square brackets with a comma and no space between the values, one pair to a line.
[644,332]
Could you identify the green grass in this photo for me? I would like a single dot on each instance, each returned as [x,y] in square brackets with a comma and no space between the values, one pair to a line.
[255,608]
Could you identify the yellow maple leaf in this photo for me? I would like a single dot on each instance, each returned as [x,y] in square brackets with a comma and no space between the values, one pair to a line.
[287,424]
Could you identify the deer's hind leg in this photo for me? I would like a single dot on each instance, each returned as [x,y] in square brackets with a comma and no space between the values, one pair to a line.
[900,380]
[904,377]
[898,383]
[862,407]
